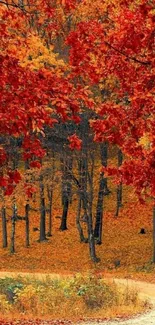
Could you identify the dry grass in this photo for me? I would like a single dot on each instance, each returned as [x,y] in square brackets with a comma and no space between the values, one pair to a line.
[81,296]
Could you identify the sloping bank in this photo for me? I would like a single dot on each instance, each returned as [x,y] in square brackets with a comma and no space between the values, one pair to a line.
[145,290]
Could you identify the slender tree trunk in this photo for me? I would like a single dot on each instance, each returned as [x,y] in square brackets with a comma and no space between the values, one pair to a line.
[34,194]
[119,199]
[153,259]
[87,199]
[78,224]
[104,161]
[65,202]
[42,212]
[50,215]
[63,225]
[27,227]
[66,189]
[50,198]
[50,193]
[87,207]
[4,227]
[27,209]
[99,211]
[91,238]
[103,190]
[83,170]
[62,164]
[70,167]
[120,186]
[13,219]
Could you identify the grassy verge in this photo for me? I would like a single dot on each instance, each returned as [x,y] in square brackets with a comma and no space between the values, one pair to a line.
[72,298]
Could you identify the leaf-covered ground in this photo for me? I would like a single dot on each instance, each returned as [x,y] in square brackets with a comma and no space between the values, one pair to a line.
[35,322]
[63,252]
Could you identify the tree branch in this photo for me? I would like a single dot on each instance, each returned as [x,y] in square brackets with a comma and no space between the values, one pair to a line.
[14,5]
[129,57]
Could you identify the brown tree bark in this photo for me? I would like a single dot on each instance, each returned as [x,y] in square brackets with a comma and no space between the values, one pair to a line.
[4,227]
[13,228]
[27,227]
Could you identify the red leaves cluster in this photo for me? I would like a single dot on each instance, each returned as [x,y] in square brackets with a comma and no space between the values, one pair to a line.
[83,42]
[137,172]
[29,189]
[3,156]
[35,164]
[119,46]
[75,142]
[9,181]
[14,176]
[69,5]
[32,148]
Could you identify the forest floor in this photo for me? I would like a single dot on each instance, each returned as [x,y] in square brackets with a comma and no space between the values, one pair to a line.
[64,255]
[63,252]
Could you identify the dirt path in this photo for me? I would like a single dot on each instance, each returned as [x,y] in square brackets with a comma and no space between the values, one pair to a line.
[146,291]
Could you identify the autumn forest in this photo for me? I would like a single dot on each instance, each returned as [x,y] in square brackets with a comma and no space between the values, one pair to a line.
[77,153]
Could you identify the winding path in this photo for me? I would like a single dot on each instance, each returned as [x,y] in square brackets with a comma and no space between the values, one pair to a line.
[146,291]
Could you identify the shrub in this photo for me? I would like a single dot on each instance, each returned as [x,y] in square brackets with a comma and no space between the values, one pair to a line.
[129,297]
[79,295]
[26,299]
[5,307]
[8,287]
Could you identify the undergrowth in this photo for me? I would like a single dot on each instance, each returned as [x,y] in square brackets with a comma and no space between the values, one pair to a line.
[78,296]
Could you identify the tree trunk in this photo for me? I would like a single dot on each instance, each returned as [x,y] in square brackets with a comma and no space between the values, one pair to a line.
[99,211]
[153,259]
[50,198]
[13,219]
[4,227]
[70,167]
[63,225]
[42,220]
[27,228]
[66,189]
[80,230]
[103,190]
[50,192]
[42,212]
[119,199]
[104,161]
[62,162]
[83,171]
[119,187]
[87,207]
[87,199]
[91,238]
